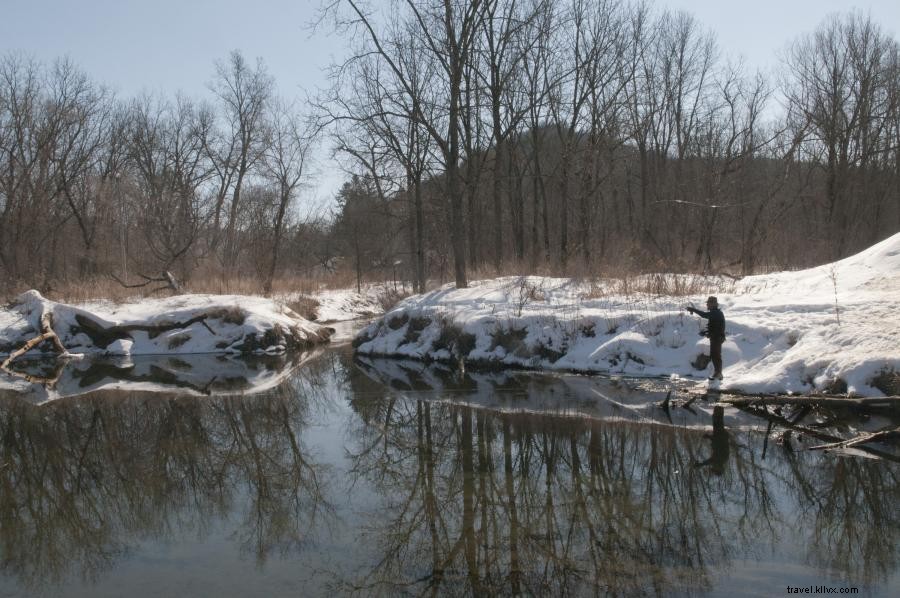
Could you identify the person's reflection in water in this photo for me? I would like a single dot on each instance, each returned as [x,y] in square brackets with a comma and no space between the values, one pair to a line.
[719,438]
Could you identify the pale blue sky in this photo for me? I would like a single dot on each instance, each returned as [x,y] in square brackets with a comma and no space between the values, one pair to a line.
[167,45]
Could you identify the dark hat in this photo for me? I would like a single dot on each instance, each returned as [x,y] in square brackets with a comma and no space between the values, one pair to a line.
[712,300]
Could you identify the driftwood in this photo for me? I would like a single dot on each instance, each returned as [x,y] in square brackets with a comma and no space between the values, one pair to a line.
[47,334]
[739,398]
[811,401]
[102,336]
[171,284]
[811,432]
[858,440]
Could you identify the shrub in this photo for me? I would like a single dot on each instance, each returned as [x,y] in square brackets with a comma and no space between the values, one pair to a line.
[454,339]
[307,307]
[389,297]
[415,328]
[887,381]
[511,339]
[398,322]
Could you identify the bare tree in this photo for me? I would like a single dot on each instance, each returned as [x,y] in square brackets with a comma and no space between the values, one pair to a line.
[286,165]
[842,92]
[244,94]
[447,29]
[170,168]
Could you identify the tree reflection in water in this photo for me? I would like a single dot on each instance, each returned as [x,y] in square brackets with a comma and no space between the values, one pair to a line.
[83,479]
[476,501]
[445,484]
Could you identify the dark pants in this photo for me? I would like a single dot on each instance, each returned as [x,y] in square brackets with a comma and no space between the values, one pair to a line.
[715,354]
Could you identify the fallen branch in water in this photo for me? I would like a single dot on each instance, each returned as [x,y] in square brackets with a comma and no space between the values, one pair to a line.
[811,432]
[739,400]
[858,440]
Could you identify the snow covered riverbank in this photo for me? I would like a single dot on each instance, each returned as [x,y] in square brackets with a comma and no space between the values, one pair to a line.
[328,306]
[176,325]
[833,328]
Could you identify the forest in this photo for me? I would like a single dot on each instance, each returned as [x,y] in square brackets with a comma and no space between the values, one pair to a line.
[478,138]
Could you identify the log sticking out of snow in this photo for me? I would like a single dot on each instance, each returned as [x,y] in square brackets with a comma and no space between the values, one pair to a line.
[177,325]
[47,334]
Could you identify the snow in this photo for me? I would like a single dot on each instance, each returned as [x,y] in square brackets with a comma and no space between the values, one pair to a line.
[339,305]
[343,305]
[183,324]
[800,331]
[184,375]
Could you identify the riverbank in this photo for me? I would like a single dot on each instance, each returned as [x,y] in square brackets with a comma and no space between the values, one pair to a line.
[183,324]
[830,329]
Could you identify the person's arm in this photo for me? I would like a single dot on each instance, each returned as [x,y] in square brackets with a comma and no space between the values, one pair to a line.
[702,314]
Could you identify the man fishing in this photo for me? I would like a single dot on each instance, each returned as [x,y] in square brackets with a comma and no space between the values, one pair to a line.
[715,331]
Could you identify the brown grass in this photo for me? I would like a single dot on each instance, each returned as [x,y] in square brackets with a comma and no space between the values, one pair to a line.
[306,306]
[105,288]
[391,297]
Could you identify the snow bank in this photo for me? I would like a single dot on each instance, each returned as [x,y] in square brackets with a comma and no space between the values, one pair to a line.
[184,375]
[831,328]
[339,305]
[342,305]
[176,325]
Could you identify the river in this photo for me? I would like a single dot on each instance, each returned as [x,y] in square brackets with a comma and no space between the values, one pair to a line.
[330,475]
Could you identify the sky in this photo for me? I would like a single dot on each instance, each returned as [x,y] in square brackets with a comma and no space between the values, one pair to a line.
[170,45]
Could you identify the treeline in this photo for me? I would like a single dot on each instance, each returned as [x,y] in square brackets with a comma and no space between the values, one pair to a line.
[585,137]
[92,185]
[488,136]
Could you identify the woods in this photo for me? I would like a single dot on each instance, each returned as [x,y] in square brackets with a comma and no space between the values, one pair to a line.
[487,136]
[613,136]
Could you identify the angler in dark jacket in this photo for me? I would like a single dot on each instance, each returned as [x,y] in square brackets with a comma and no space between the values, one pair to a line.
[715,332]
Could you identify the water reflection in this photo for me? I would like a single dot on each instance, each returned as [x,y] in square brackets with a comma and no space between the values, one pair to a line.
[480,501]
[41,380]
[379,477]
[82,481]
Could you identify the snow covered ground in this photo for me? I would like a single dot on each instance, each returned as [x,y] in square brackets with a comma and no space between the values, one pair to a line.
[340,305]
[832,328]
[175,325]
[343,305]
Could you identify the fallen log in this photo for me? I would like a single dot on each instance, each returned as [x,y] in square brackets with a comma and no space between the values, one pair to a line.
[47,334]
[738,397]
[102,336]
[811,401]
[166,277]
[200,324]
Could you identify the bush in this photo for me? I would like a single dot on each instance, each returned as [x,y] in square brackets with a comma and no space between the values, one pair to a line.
[415,328]
[454,339]
[887,381]
[307,307]
[389,297]
[511,339]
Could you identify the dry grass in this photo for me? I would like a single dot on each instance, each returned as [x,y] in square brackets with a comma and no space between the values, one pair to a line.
[305,306]
[390,297]
[657,285]
[621,283]
[103,288]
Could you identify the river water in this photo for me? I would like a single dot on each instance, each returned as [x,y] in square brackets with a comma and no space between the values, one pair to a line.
[329,475]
